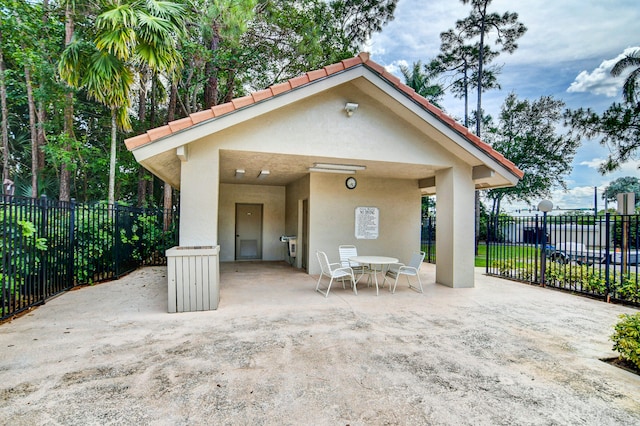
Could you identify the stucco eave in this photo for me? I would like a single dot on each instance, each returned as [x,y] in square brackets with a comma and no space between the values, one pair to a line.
[217,124]
[164,166]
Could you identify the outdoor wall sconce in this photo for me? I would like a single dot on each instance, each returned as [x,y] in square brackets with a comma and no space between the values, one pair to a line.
[350,107]
[239,173]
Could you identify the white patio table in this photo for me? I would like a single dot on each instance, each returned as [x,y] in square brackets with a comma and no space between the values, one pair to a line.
[374,261]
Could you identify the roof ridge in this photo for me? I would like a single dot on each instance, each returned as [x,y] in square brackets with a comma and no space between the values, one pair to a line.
[363,58]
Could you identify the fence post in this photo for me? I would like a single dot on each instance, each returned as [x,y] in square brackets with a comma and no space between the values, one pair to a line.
[116,239]
[543,252]
[487,244]
[537,254]
[607,248]
[44,226]
[72,243]
[429,245]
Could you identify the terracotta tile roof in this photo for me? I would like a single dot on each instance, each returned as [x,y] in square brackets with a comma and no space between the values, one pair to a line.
[277,89]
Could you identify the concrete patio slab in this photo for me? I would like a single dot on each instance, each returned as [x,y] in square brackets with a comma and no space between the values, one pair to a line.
[278,353]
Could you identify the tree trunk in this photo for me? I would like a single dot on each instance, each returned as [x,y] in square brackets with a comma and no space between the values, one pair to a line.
[480,68]
[32,132]
[41,114]
[142,117]
[112,159]
[168,191]
[65,174]
[154,103]
[173,97]
[479,107]
[168,205]
[5,115]
[230,85]
[142,186]
[142,96]
[151,190]
[466,94]
[211,69]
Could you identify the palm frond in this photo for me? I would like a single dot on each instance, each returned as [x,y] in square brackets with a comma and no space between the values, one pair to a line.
[631,60]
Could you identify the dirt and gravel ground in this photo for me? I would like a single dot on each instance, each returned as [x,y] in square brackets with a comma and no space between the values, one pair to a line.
[277,353]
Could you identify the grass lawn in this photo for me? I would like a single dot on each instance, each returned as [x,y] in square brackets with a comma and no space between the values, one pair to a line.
[523,253]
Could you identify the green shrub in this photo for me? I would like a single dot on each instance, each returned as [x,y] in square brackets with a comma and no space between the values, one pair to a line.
[592,280]
[93,243]
[21,249]
[626,338]
[628,289]
[554,273]
[504,266]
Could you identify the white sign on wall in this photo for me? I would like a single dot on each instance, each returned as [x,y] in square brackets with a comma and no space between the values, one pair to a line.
[367,223]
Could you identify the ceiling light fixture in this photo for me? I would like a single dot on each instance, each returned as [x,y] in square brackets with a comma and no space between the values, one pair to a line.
[339,166]
[343,171]
[239,173]
[263,174]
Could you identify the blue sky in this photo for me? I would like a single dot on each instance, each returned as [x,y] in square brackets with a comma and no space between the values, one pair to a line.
[567,53]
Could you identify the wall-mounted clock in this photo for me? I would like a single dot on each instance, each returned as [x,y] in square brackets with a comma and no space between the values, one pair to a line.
[351,182]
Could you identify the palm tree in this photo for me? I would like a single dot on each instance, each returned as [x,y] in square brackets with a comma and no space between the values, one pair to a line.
[128,33]
[420,81]
[630,87]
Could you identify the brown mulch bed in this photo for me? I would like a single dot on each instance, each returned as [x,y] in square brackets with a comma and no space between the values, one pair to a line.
[624,364]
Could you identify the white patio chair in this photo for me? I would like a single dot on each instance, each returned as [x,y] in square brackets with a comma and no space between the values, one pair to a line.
[333,271]
[347,251]
[412,269]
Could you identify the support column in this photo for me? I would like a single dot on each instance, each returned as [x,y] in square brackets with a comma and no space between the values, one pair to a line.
[455,215]
[199,198]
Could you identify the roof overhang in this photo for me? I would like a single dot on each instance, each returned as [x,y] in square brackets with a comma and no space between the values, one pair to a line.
[163,150]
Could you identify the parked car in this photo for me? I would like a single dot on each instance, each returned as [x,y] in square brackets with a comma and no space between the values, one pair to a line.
[574,252]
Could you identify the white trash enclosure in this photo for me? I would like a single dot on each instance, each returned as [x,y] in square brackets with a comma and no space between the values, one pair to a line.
[193,275]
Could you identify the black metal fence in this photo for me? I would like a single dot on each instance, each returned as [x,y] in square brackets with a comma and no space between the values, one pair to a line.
[596,256]
[49,246]
[428,239]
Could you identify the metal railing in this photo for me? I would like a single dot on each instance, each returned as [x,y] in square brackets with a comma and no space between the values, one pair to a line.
[48,246]
[428,239]
[595,256]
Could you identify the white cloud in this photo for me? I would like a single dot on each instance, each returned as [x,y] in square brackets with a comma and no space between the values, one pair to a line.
[578,198]
[629,168]
[593,163]
[394,67]
[599,81]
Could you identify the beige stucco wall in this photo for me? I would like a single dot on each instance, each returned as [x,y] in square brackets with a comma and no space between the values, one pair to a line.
[199,197]
[455,229]
[318,127]
[273,218]
[296,193]
[315,127]
[332,217]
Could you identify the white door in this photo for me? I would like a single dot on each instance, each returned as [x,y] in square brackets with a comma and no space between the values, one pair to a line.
[248,231]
